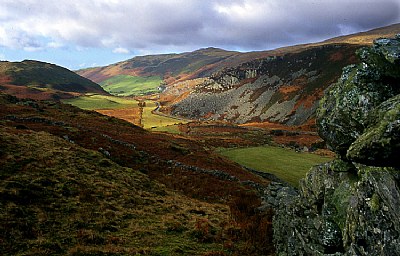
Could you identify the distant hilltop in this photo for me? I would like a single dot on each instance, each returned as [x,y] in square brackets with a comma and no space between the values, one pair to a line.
[40,80]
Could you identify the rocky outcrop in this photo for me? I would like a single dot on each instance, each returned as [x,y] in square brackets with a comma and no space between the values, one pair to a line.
[284,89]
[350,206]
[351,105]
[339,213]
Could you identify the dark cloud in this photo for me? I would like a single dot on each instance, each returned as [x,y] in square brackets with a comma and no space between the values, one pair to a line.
[160,25]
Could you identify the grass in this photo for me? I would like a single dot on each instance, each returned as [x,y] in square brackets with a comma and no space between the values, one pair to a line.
[286,164]
[124,85]
[95,101]
[174,129]
[63,198]
[74,201]
[150,120]
[38,74]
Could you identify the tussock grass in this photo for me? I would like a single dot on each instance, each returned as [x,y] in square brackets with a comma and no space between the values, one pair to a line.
[63,198]
[60,199]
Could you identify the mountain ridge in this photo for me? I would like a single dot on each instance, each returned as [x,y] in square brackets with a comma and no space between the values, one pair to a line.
[259,91]
[133,65]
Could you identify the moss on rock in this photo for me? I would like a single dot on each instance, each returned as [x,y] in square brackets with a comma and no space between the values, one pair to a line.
[353,109]
[379,145]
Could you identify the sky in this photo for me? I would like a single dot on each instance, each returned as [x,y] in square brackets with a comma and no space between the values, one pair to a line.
[85,33]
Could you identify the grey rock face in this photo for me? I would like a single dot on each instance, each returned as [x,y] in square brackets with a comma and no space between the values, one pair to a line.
[282,89]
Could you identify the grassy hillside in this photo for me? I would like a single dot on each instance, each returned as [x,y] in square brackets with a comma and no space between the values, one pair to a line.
[69,186]
[171,67]
[96,101]
[37,79]
[124,85]
[153,120]
[58,198]
[286,164]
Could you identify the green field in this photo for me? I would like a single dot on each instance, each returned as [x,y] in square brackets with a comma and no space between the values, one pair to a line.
[95,101]
[286,164]
[151,120]
[173,128]
[124,85]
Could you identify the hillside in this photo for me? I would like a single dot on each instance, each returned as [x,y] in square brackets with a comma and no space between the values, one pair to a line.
[283,89]
[59,198]
[40,80]
[79,183]
[167,67]
[368,36]
[279,86]
[174,68]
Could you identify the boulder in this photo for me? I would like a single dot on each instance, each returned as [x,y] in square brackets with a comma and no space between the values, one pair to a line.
[340,213]
[379,145]
[344,111]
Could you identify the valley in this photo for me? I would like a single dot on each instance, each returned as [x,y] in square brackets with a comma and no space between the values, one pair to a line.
[199,153]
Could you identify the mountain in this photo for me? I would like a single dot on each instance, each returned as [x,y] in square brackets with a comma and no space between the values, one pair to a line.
[40,80]
[158,69]
[368,36]
[173,68]
[282,88]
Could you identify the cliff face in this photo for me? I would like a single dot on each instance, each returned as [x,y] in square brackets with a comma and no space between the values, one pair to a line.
[350,206]
[283,89]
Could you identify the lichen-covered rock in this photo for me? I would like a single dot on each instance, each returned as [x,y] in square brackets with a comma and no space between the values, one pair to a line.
[340,213]
[344,110]
[379,145]
[351,206]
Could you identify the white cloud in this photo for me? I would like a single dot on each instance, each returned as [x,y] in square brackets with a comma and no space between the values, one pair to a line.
[32,48]
[54,45]
[121,50]
[155,25]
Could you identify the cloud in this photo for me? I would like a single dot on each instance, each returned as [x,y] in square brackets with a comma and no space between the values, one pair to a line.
[55,45]
[121,50]
[125,26]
